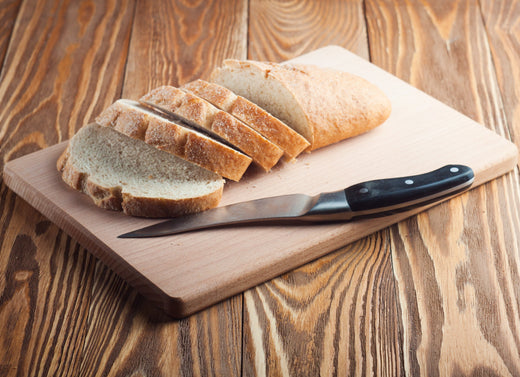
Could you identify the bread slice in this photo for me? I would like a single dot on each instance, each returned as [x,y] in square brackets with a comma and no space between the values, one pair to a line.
[201,112]
[323,105]
[254,116]
[139,122]
[122,173]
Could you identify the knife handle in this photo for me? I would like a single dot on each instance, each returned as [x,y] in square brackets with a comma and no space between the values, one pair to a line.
[386,196]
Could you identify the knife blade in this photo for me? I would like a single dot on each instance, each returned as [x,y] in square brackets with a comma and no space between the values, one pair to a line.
[375,198]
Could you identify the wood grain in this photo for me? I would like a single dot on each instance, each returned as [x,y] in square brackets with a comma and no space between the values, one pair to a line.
[280,30]
[464,298]
[8,13]
[185,41]
[335,316]
[62,65]
[428,45]
[128,335]
[55,65]
[503,30]
[44,293]
[456,265]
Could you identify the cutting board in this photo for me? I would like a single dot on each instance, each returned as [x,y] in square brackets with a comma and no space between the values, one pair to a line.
[188,272]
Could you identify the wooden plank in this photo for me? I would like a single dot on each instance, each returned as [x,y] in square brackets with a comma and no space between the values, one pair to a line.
[56,80]
[426,39]
[125,333]
[52,81]
[8,13]
[501,22]
[335,316]
[456,265]
[44,293]
[281,30]
[185,41]
[310,321]
[458,284]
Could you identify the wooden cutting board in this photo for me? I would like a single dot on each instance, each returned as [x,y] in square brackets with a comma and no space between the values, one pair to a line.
[187,272]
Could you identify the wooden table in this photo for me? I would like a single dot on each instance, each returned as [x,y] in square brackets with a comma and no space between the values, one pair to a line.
[437,294]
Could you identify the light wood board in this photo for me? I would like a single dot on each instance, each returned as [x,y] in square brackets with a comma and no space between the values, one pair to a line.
[188,272]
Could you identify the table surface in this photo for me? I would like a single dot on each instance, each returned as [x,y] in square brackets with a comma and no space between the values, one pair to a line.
[436,294]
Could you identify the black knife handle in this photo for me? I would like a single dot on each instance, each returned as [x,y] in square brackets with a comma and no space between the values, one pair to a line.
[399,194]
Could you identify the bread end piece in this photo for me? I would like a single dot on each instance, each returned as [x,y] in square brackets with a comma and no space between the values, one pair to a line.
[107,166]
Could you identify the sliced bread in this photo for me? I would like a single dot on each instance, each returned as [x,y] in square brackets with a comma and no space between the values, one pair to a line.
[254,116]
[122,173]
[199,111]
[323,105]
[139,122]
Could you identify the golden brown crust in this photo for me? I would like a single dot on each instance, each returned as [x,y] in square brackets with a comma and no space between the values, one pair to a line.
[158,207]
[174,138]
[337,105]
[204,152]
[104,197]
[254,116]
[263,152]
[197,110]
[219,96]
[166,137]
[62,160]
[274,129]
[132,122]
[113,199]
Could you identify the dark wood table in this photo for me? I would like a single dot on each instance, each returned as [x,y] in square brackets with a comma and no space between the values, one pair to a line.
[437,294]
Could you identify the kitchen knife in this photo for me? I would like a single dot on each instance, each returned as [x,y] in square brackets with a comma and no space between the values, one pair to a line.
[368,199]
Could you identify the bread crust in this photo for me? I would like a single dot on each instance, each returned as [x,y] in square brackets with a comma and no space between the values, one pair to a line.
[291,142]
[113,199]
[199,111]
[337,105]
[176,139]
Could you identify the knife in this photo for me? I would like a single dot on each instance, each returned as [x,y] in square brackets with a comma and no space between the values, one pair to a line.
[376,198]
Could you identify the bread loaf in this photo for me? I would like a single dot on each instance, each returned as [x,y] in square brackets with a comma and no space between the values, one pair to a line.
[143,160]
[323,105]
[123,173]
[199,111]
[254,116]
[139,122]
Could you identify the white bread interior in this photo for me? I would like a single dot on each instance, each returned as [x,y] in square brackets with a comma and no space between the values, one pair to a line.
[265,91]
[120,172]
